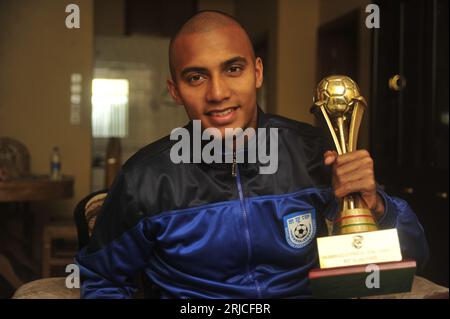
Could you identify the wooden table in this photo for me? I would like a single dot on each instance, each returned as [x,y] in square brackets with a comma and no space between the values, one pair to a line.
[36,188]
[32,189]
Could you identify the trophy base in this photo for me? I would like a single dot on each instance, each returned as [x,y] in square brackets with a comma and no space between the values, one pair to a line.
[362,280]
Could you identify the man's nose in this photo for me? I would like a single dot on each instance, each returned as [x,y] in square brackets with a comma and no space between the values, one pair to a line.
[218,90]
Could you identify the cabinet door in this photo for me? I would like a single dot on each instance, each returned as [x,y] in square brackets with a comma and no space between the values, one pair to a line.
[409,115]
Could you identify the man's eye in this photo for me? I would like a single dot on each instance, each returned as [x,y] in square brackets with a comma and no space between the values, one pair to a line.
[235,69]
[195,78]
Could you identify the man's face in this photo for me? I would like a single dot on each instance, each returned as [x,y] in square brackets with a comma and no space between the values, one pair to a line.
[217,78]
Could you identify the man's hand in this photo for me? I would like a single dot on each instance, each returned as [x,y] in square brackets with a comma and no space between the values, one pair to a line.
[353,173]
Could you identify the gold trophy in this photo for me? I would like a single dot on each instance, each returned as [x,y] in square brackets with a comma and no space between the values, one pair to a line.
[357,242]
[342,106]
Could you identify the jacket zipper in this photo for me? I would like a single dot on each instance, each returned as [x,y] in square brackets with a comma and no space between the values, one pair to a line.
[235,173]
[234,166]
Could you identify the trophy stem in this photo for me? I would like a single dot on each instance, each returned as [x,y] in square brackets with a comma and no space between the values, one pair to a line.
[351,202]
[340,121]
[353,219]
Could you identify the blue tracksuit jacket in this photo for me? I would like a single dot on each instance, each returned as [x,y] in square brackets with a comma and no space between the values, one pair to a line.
[197,231]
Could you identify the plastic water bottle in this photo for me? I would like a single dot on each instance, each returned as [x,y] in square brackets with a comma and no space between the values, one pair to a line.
[55,164]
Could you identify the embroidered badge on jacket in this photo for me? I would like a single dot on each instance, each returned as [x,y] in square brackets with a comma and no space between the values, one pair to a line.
[300,228]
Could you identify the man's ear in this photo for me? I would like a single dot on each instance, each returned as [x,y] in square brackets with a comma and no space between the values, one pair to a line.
[172,87]
[259,72]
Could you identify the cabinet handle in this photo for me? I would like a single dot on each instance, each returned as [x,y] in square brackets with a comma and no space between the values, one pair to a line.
[397,83]
[443,195]
[408,190]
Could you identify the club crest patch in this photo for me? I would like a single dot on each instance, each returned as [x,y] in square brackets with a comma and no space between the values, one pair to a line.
[300,228]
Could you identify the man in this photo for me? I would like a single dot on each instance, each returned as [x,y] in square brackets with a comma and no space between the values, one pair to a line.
[217,230]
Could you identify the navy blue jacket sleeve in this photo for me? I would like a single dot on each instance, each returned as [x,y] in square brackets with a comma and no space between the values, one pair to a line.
[398,214]
[119,247]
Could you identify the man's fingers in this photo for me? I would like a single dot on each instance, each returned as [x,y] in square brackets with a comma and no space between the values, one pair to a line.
[359,186]
[349,157]
[353,166]
[364,173]
[330,157]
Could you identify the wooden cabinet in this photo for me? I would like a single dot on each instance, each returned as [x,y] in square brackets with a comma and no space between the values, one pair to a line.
[409,115]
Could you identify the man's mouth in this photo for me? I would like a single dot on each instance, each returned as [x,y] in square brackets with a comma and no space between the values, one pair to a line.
[222,112]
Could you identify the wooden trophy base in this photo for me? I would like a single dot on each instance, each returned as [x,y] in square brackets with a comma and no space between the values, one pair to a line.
[350,281]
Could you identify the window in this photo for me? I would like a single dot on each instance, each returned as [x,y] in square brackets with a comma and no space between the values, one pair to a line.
[110,108]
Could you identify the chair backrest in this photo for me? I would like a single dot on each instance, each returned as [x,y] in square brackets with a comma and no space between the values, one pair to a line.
[14,157]
[85,215]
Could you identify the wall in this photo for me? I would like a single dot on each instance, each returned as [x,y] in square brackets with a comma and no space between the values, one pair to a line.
[109,17]
[37,56]
[296,58]
[227,6]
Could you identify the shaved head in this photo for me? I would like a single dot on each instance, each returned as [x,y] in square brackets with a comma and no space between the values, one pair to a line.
[202,22]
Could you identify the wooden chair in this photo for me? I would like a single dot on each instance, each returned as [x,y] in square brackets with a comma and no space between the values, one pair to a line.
[64,231]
